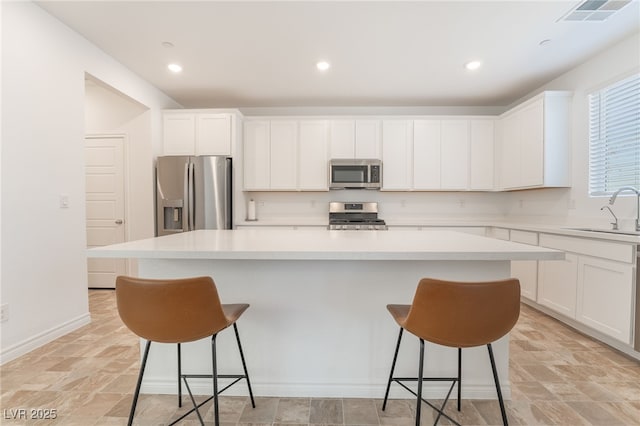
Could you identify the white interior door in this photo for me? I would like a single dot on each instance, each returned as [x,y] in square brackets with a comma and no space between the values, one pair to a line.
[104,170]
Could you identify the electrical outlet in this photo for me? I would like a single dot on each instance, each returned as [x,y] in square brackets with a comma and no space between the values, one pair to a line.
[64,201]
[462,203]
[4,312]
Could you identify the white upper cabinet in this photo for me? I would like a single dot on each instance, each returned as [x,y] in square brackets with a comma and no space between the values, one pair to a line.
[535,143]
[198,133]
[313,156]
[481,145]
[284,164]
[438,154]
[367,139]
[397,137]
[343,139]
[213,134]
[257,155]
[355,139]
[286,155]
[426,154]
[179,134]
[454,155]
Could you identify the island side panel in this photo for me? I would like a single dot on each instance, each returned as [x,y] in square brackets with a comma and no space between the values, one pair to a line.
[321,329]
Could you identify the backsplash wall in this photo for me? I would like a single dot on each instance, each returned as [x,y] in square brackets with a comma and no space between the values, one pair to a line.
[394,207]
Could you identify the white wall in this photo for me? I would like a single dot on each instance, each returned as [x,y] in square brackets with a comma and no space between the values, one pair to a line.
[43,246]
[394,207]
[574,206]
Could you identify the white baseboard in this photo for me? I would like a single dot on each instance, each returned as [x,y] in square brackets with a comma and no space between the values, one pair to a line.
[40,339]
[326,390]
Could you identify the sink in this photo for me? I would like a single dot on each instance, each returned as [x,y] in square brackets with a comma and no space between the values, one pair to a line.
[608,231]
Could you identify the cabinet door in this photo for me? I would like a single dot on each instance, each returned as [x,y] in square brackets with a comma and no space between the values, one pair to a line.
[426,154]
[454,154]
[397,138]
[284,155]
[557,286]
[257,157]
[179,135]
[481,158]
[213,134]
[510,152]
[532,144]
[367,139]
[527,272]
[605,296]
[343,139]
[313,164]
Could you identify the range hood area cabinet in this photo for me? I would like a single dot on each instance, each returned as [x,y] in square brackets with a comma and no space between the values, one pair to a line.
[351,139]
[200,132]
[534,142]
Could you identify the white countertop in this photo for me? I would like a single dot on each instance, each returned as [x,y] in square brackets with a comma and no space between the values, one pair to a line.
[321,244]
[439,223]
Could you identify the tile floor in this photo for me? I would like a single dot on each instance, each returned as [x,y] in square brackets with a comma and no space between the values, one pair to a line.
[559,377]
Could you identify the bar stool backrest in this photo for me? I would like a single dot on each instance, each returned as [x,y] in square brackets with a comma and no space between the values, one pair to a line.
[170,311]
[463,314]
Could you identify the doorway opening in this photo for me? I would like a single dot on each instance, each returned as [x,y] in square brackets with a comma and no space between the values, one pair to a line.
[118,177]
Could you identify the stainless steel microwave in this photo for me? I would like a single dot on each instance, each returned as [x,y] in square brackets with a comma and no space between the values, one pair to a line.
[352,174]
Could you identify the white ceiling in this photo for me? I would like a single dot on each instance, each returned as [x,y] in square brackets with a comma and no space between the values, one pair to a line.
[383,53]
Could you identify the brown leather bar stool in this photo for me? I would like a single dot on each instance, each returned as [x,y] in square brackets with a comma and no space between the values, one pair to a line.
[179,311]
[459,315]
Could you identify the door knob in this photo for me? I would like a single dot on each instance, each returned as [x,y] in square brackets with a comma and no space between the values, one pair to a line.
[119,221]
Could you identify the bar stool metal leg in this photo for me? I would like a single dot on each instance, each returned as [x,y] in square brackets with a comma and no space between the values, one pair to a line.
[495,378]
[214,365]
[420,377]
[244,365]
[459,376]
[393,366]
[179,376]
[137,391]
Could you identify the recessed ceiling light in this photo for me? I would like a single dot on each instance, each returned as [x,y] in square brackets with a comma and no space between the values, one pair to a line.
[323,65]
[473,65]
[174,68]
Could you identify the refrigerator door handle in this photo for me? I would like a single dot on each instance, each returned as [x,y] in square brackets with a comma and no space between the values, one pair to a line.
[186,195]
[192,196]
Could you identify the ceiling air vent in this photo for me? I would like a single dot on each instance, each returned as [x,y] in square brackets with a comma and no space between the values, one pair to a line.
[594,10]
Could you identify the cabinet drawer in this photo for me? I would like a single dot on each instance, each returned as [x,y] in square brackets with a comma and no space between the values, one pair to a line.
[602,249]
[499,233]
[524,237]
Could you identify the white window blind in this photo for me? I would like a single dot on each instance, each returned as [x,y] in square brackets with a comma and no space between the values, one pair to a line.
[614,137]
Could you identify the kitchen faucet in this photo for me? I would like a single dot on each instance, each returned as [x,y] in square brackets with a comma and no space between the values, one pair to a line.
[615,224]
[628,188]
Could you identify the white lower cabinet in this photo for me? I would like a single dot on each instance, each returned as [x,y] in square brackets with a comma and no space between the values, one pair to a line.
[557,285]
[525,270]
[595,284]
[604,296]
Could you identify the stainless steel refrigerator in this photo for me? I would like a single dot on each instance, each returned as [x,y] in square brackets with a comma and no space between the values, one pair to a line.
[193,193]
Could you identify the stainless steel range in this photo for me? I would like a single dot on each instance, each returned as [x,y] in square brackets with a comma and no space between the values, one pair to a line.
[355,216]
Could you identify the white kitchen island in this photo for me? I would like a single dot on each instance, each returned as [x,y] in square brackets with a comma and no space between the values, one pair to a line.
[318,324]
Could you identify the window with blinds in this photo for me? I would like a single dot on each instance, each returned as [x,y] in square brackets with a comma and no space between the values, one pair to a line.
[614,137]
